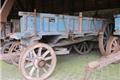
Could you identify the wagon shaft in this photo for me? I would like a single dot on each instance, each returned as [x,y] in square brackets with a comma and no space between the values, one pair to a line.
[101,63]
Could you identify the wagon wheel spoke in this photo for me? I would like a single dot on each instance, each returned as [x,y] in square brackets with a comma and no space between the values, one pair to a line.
[29,59]
[87,46]
[32,71]
[28,65]
[84,49]
[45,70]
[105,43]
[34,54]
[113,45]
[30,55]
[81,47]
[16,50]
[38,73]
[48,58]
[46,53]
[39,51]
[6,47]
[48,65]
[36,64]
[106,34]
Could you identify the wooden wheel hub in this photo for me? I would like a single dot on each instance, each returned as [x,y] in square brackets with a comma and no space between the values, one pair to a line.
[39,63]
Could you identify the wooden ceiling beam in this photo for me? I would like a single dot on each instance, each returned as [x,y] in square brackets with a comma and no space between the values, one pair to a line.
[5,10]
[67,6]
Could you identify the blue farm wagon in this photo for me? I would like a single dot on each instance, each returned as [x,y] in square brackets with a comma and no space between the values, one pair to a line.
[43,36]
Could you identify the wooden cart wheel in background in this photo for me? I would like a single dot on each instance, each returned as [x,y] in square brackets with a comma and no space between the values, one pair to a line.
[6,49]
[113,45]
[15,52]
[83,47]
[104,36]
[37,62]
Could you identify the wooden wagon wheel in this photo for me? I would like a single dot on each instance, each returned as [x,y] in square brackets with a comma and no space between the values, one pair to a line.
[37,62]
[6,49]
[104,36]
[83,47]
[15,52]
[113,45]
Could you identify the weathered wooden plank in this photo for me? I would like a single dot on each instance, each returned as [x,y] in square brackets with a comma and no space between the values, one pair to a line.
[101,63]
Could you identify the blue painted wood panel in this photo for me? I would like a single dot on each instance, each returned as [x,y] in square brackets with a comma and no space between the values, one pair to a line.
[117,22]
[52,24]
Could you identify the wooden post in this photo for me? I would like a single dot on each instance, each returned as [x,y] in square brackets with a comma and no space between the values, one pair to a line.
[35,23]
[80,24]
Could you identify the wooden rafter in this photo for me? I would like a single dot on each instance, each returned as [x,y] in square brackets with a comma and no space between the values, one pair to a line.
[5,10]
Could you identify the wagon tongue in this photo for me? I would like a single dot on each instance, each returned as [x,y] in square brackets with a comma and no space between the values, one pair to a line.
[101,63]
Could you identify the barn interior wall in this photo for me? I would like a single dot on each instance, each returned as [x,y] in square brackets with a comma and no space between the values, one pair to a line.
[62,6]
